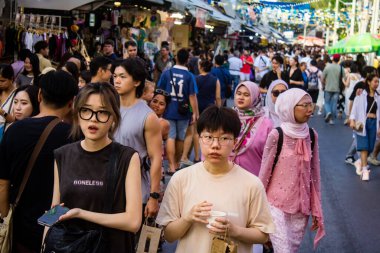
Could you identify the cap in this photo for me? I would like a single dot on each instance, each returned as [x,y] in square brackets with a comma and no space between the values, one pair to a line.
[336,57]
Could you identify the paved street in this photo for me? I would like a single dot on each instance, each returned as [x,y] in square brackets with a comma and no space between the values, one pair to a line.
[351,207]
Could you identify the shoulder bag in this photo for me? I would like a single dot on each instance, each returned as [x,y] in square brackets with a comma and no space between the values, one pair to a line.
[6,224]
[183,106]
[62,238]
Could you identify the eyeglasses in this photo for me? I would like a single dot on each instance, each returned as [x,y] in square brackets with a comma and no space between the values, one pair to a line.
[102,116]
[306,106]
[162,92]
[277,93]
[223,140]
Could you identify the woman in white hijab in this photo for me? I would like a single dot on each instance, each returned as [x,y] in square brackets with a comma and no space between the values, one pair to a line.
[293,183]
[275,89]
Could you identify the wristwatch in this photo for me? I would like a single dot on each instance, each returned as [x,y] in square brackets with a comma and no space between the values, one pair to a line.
[154,195]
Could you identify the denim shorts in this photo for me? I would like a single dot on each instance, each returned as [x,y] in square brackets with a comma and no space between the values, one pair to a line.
[178,129]
[367,142]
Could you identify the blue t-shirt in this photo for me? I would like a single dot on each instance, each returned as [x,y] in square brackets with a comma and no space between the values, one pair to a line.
[207,89]
[185,85]
[224,77]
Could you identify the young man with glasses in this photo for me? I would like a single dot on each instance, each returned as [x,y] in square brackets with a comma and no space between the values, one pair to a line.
[100,68]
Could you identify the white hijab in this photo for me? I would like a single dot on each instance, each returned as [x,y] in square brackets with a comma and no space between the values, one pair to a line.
[285,110]
[269,105]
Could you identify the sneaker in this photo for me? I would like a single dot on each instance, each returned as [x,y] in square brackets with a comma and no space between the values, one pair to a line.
[350,160]
[365,175]
[328,117]
[372,160]
[319,112]
[331,122]
[358,166]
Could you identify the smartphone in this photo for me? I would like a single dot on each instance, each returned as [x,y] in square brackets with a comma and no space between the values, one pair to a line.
[51,217]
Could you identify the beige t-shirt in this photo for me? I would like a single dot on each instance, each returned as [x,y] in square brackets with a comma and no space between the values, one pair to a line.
[238,193]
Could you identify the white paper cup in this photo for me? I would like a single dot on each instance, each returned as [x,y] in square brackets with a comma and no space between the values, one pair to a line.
[214,215]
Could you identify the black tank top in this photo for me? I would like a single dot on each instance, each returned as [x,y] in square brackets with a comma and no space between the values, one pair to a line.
[370,100]
[83,184]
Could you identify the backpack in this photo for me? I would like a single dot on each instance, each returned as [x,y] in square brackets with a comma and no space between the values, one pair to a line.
[281,140]
[313,80]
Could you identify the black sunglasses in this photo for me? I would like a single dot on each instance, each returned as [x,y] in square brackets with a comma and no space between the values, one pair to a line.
[277,93]
[162,92]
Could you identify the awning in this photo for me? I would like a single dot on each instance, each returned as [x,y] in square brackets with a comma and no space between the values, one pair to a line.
[53,4]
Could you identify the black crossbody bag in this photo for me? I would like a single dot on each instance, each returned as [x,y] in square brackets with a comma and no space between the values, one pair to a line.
[64,239]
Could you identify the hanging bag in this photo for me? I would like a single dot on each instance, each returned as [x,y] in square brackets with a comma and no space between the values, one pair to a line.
[223,244]
[149,238]
[6,224]
[359,126]
[62,238]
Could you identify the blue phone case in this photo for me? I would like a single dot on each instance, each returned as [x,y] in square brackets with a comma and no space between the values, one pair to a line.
[51,217]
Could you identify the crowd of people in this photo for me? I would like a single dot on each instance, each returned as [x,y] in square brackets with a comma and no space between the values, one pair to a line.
[257,162]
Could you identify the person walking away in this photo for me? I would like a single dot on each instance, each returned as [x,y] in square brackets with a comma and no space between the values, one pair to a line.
[314,82]
[291,177]
[332,75]
[223,76]
[181,85]
[235,64]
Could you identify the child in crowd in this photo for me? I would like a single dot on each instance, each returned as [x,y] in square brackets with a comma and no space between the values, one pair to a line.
[148,91]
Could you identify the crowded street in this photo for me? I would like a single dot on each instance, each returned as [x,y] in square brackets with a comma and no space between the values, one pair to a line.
[182,126]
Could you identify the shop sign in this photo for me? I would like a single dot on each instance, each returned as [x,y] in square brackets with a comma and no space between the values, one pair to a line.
[201,15]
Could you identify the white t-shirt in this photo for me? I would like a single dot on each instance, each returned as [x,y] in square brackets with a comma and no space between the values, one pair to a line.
[261,62]
[235,65]
[238,193]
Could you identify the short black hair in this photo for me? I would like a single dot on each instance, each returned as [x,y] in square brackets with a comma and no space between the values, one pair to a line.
[109,42]
[206,65]
[182,56]
[72,68]
[99,62]
[58,88]
[214,118]
[130,43]
[367,70]
[40,45]
[6,71]
[135,67]
[86,75]
[219,59]
[164,44]
[279,59]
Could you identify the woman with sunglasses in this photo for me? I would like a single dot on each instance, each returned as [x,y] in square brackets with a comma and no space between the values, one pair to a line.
[275,89]
[255,127]
[216,184]
[292,183]
[81,178]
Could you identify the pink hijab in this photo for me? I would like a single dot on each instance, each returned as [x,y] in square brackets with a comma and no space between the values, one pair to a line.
[254,112]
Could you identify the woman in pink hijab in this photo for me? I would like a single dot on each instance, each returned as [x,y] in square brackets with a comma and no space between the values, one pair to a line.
[255,127]
[293,185]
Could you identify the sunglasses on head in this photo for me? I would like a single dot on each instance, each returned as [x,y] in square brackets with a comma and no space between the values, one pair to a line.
[277,93]
[162,92]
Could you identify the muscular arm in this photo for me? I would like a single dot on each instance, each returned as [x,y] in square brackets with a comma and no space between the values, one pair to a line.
[153,139]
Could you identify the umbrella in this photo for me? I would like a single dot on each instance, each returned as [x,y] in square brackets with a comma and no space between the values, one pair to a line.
[359,43]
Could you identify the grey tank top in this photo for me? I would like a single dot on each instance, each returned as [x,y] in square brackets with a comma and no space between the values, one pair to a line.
[131,134]
[131,130]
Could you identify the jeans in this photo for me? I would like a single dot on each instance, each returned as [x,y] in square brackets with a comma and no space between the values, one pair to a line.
[331,102]
[235,82]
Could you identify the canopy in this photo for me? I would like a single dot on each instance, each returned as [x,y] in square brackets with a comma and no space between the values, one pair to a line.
[310,41]
[359,43]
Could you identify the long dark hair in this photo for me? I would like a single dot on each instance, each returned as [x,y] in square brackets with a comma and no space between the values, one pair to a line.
[35,62]
[368,79]
[32,92]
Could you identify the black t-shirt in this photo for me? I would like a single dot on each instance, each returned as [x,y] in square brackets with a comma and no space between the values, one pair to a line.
[83,184]
[296,76]
[15,151]
[269,77]
[358,85]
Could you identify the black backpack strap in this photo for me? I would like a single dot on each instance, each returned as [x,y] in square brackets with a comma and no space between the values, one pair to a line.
[279,146]
[312,139]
